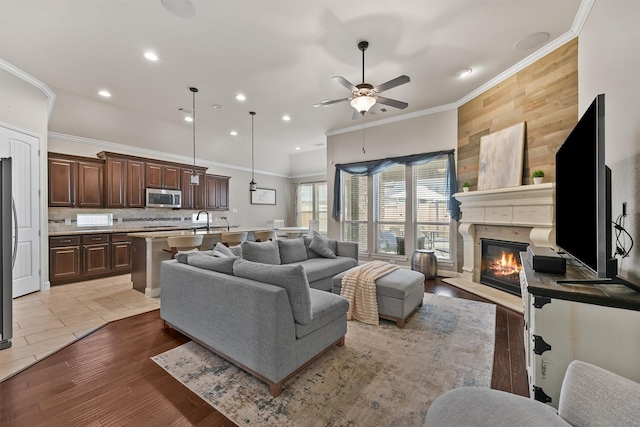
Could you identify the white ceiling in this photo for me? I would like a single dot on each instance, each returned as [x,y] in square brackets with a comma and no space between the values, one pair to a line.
[281,54]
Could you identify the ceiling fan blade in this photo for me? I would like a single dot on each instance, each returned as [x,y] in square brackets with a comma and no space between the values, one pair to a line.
[392,83]
[330,102]
[346,83]
[392,102]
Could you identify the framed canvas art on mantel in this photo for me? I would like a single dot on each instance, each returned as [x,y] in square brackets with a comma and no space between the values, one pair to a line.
[501,158]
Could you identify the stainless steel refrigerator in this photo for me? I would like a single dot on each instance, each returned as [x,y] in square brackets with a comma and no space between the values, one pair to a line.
[7,253]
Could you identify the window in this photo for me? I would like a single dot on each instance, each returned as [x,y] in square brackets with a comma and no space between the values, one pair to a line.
[393,206]
[431,221]
[355,211]
[390,212]
[313,204]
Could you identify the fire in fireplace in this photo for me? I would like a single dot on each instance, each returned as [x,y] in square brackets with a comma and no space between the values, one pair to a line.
[500,264]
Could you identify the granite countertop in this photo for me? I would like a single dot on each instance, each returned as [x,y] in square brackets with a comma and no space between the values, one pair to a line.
[163,234]
[146,229]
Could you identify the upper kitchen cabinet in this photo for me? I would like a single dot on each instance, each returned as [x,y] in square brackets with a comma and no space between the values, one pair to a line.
[125,182]
[193,195]
[217,193]
[163,176]
[75,182]
[63,182]
[90,184]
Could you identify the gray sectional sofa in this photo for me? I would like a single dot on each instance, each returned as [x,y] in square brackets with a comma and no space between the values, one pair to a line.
[260,314]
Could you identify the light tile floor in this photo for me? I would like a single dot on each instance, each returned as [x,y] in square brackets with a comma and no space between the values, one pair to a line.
[46,321]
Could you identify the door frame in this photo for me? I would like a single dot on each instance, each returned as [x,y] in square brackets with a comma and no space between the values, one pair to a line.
[43,214]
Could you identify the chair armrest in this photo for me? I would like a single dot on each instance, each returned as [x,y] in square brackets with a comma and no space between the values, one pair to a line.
[593,396]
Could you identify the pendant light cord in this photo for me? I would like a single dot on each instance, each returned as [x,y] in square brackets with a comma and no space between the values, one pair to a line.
[193,91]
[252,156]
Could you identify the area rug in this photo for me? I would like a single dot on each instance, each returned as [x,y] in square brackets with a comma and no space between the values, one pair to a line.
[383,376]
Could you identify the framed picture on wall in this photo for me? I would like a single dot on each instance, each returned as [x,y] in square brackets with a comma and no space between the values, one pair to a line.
[263,196]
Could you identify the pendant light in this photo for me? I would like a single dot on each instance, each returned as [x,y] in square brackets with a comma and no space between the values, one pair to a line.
[194,179]
[252,185]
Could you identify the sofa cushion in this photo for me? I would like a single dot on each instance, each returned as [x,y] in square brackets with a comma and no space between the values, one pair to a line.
[320,245]
[236,250]
[290,277]
[321,268]
[206,261]
[325,310]
[263,252]
[292,250]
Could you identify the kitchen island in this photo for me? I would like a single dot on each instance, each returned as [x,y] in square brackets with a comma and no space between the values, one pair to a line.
[148,250]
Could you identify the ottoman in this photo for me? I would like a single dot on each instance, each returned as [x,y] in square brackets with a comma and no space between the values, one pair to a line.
[399,294]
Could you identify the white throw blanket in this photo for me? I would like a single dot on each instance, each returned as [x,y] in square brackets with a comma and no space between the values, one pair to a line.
[359,288]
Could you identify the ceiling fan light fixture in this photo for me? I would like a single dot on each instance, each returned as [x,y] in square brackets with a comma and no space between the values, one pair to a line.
[363,103]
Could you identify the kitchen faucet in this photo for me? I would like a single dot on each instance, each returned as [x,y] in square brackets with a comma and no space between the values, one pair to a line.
[208,224]
[227,221]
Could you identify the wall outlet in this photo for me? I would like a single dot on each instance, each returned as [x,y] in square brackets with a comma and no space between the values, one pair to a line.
[67,221]
[392,261]
[119,220]
[234,210]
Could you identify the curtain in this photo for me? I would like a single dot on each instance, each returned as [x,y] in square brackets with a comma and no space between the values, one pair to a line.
[296,203]
[376,166]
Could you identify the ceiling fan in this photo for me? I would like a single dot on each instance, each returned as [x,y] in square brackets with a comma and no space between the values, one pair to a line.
[364,95]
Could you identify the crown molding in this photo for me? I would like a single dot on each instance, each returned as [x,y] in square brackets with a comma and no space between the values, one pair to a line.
[144,152]
[51,96]
[394,119]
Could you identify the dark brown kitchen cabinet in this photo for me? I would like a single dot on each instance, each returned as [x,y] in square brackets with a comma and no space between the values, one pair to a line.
[217,193]
[135,184]
[63,181]
[163,176]
[120,253]
[95,254]
[124,183]
[64,258]
[193,195]
[74,258]
[75,182]
[90,184]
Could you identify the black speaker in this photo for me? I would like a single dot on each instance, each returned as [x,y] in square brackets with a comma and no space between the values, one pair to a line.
[545,260]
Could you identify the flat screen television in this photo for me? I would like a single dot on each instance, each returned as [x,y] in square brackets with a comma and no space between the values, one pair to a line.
[583,197]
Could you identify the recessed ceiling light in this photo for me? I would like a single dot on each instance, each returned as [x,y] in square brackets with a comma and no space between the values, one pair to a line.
[286,118]
[216,107]
[531,41]
[188,118]
[241,97]
[151,56]
[104,93]
[297,148]
[233,133]
[464,72]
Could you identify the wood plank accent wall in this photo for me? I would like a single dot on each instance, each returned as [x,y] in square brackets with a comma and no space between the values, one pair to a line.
[544,95]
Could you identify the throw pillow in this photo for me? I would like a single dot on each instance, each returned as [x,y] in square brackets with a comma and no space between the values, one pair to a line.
[290,277]
[236,250]
[292,250]
[221,251]
[320,245]
[264,252]
[208,262]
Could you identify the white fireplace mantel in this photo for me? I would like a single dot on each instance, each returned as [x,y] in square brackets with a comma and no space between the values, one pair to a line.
[528,207]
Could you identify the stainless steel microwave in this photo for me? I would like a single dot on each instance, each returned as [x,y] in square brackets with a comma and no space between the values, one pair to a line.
[158,198]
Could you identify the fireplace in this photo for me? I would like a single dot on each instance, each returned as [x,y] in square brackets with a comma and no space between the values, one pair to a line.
[500,264]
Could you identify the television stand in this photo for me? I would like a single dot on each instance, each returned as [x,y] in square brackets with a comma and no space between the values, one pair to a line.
[603,281]
[598,323]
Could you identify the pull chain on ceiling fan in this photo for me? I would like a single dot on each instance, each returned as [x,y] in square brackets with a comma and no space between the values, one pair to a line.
[364,96]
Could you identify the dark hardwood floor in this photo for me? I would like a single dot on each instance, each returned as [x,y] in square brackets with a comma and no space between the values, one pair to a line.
[107,378]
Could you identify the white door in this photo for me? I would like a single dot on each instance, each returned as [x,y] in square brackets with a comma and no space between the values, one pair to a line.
[25,177]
